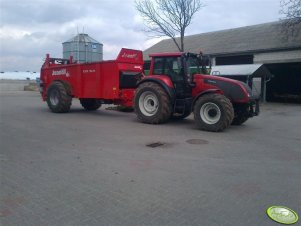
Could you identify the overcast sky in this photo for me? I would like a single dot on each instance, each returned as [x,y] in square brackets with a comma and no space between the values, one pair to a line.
[31,28]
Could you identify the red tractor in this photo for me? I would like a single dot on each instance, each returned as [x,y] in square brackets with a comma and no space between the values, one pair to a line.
[176,85]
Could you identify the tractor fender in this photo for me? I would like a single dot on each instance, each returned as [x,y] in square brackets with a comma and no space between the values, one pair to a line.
[203,93]
[170,91]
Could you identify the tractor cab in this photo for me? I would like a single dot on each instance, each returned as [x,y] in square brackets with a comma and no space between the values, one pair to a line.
[180,68]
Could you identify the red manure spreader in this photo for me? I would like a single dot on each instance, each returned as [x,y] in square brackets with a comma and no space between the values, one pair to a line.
[177,84]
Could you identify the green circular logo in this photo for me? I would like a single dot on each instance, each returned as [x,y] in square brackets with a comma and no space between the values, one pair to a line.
[282,214]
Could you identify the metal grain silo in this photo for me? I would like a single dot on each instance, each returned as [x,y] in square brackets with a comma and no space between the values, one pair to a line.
[83,48]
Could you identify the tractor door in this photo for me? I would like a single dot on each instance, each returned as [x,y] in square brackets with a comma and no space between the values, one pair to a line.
[172,67]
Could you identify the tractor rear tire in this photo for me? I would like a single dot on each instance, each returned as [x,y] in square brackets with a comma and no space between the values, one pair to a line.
[213,112]
[90,104]
[57,97]
[152,103]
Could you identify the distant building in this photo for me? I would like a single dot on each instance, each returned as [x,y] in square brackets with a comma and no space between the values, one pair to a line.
[259,44]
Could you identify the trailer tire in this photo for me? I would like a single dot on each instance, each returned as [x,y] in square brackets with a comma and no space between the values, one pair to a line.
[90,104]
[213,112]
[152,103]
[58,98]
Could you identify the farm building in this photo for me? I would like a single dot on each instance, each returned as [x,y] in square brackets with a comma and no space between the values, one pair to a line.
[264,44]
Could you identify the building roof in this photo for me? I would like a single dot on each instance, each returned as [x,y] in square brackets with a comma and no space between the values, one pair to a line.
[82,38]
[257,38]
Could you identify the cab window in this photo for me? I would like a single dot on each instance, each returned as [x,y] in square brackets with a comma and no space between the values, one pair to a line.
[158,66]
[170,66]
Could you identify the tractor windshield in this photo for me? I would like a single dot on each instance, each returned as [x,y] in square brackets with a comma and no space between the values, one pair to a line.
[198,64]
[193,65]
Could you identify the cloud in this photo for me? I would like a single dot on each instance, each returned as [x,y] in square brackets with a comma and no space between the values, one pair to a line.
[29,13]
[30,29]
[225,14]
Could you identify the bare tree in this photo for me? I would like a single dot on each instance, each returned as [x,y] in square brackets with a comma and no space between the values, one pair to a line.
[291,10]
[168,17]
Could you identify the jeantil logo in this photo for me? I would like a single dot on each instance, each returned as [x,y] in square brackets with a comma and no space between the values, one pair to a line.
[130,56]
[282,214]
[138,67]
[59,72]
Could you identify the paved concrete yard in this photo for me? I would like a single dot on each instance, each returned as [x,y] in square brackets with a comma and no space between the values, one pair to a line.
[94,168]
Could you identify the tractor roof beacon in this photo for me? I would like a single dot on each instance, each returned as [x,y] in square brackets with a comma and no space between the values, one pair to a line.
[177,85]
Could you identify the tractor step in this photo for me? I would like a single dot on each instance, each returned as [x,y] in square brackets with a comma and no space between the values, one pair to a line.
[181,105]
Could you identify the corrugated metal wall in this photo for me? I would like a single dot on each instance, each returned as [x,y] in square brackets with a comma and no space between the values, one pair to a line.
[83,49]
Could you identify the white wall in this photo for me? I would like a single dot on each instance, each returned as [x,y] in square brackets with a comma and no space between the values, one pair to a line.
[278,57]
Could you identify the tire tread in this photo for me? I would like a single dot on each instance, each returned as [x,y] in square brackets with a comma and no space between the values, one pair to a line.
[227,112]
[164,100]
[65,99]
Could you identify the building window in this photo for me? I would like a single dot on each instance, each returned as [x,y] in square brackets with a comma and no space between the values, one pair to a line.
[233,60]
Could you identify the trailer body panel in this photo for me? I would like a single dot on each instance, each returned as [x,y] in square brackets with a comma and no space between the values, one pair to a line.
[99,80]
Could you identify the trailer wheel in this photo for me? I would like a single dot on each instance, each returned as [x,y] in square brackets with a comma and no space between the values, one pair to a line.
[57,97]
[213,112]
[241,115]
[152,103]
[90,104]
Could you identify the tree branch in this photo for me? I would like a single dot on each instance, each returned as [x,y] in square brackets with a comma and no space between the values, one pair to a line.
[291,10]
[168,17]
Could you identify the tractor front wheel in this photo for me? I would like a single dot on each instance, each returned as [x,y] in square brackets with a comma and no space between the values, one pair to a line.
[57,97]
[152,104]
[90,104]
[213,112]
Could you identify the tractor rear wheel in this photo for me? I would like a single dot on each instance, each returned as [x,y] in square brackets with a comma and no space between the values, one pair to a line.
[90,104]
[152,103]
[213,112]
[57,97]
